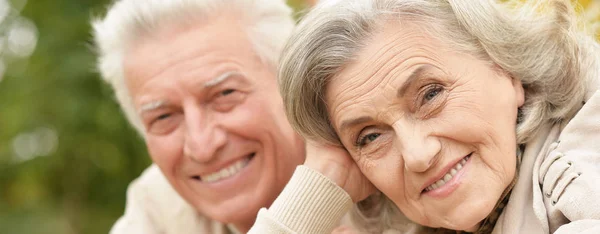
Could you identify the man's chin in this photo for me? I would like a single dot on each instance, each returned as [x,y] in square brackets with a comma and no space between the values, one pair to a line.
[236,214]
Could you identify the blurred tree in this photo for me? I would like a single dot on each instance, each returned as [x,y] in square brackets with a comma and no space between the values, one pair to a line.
[66,152]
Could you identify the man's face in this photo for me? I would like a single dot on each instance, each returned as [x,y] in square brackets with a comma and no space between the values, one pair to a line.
[213,117]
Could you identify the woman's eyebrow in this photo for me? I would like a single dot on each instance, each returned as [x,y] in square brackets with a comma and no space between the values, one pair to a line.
[353,122]
[417,74]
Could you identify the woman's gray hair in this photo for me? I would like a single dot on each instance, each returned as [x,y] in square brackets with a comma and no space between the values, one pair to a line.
[267,22]
[549,54]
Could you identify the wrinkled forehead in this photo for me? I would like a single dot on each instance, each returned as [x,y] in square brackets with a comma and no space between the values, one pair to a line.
[199,50]
[386,60]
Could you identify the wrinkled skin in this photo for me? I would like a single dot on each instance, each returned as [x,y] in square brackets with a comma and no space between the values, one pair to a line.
[207,102]
[409,109]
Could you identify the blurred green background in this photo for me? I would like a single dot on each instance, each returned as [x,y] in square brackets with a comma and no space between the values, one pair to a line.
[66,152]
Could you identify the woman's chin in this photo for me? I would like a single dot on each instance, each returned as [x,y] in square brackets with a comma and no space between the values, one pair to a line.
[468,223]
[473,228]
[461,225]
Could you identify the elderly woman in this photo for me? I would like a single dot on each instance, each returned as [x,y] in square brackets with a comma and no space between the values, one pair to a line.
[459,115]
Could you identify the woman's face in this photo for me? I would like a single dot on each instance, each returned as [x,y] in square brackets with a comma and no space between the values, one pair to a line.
[431,128]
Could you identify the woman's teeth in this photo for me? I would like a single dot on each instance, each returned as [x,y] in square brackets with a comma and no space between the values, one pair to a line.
[226,172]
[448,175]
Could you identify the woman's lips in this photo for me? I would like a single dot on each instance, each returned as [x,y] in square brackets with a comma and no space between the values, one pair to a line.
[448,175]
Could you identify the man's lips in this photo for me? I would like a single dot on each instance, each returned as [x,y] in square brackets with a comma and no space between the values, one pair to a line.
[225,171]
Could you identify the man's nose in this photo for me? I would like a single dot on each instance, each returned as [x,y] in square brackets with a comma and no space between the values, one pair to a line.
[204,137]
[420,150]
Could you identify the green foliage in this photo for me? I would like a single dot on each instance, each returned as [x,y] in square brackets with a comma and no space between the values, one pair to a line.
[80,186]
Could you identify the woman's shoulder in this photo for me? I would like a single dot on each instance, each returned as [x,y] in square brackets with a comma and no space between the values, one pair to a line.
[583,130]
[570,173]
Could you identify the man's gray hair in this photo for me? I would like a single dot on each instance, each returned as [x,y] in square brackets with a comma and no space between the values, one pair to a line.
[268,24]
[538,42]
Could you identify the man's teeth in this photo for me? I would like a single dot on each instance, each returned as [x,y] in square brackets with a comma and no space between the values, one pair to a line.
[448,175]
[226,172]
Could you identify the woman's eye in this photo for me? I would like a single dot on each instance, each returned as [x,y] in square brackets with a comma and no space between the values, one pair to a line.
[367,139]
[431,94]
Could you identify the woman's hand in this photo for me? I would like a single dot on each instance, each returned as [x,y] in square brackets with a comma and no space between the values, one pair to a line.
[337,165]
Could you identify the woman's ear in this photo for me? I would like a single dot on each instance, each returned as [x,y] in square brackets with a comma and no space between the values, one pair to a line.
[519,91]
[517,85]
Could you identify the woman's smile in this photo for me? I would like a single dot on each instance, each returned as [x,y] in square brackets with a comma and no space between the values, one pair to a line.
[447,182]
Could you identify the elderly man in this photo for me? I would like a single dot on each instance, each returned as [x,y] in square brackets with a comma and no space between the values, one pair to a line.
[197,79]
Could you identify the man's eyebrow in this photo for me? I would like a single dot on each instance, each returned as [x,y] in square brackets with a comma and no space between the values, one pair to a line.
[152,106]
[417,74]
[221,78]
[211,83]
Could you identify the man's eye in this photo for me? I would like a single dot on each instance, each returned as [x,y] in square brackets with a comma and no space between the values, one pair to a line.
[364,140]
[164,123]
[163,116]
[227,99]
[227,92]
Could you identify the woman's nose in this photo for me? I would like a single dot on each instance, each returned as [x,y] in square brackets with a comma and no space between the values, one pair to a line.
[419,150]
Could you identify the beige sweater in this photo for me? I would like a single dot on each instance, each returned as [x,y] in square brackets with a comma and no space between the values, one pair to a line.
[558,190]
[562,193]
[154,207]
